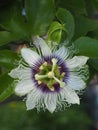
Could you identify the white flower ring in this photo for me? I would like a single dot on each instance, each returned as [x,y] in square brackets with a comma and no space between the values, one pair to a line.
[52,79]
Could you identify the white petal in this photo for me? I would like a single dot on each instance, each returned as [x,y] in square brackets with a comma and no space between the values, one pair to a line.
[50,100]
[70,95]
[30,56]
[62,52]
[44,47]
[21,72]
[33,99]
[76,61]
[23,87]
[75,82]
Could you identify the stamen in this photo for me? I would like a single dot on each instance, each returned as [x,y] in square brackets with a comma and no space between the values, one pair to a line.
[38,77]
[63,74]
[51,88]
[39,82]
[54,61]
[62,84]
[41,67]
[45,63]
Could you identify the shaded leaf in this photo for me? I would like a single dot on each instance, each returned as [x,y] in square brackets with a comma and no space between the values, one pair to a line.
[40,14]
[83,25]
[94,63]
[8,58]
[6,37]
[86,46]
[14,21]
[74,6]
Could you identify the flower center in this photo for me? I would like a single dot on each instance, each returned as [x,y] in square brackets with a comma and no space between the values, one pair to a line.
[50,74]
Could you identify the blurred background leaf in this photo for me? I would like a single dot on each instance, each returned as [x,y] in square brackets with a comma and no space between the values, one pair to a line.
[87,46]
[14,116]
[39,14]
[83,25]
[75,6]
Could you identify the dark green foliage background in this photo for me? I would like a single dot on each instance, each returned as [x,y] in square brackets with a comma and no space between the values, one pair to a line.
[13,116]
[70,22]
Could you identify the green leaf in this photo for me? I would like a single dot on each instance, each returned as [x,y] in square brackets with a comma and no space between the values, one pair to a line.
[14,21]
[6,37]
[95,4]
[86,46]
[6,86]
[83,25]
[8,58]
[94,63]
[6,15]
[40,14]
[65,17]
[56,31]
[7,92]
[75,6]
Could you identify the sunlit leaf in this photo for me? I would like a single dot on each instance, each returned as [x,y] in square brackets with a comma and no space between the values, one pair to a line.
[56,32]
[7,92]
[65,17]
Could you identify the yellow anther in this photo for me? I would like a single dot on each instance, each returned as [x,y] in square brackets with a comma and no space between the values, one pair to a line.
[41,67]
[51,88]
[45,63]
[50,74]
[39,82]
[63,73]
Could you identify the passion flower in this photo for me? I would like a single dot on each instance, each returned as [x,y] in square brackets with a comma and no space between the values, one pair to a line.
[51,79]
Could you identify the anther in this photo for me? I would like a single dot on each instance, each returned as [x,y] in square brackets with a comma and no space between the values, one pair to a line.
[45,63]
[51,88]
[41,67]
[63,74]
[39,82]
